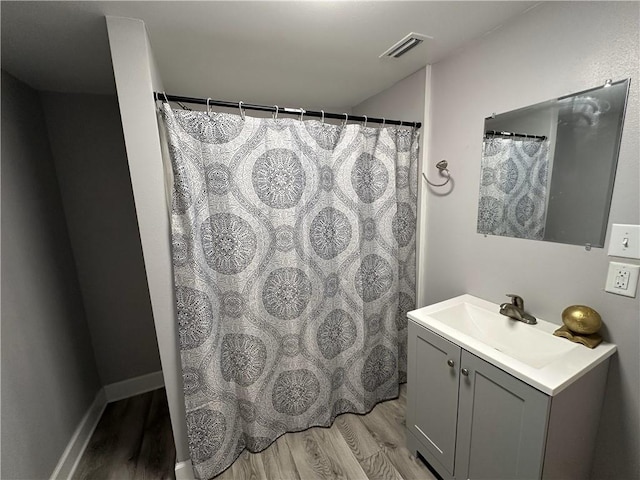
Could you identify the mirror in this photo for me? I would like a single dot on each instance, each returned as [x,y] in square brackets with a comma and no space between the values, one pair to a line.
[548,169]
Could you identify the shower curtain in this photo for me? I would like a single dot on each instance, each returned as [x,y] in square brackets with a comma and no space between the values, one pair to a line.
[513,187]
[294,268]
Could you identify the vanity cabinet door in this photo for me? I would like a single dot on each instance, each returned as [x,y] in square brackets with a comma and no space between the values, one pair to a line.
[502,424]
[432,393]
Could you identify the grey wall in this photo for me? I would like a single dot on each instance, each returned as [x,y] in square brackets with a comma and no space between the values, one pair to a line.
[405,100]
[86,138]
[260,114]
[552,50]
[49,376]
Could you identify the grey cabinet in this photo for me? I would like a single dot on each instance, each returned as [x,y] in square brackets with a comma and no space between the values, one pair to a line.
[502,423]
[471,420]
[432,407]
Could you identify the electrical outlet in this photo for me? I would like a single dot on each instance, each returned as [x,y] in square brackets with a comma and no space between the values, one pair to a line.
[622,279]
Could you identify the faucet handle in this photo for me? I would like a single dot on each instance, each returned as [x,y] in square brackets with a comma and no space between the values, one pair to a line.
[516,300]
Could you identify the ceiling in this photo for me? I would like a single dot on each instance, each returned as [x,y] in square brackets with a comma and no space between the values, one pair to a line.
[311,54]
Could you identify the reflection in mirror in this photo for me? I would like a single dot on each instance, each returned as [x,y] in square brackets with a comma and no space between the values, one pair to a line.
[547,170]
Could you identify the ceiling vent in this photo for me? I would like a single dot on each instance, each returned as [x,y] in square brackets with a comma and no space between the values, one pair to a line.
[409,42]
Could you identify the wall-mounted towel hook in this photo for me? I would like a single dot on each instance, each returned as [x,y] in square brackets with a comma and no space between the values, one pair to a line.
[442,166]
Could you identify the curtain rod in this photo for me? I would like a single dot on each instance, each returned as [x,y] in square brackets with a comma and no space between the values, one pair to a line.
[160,96]
[512,134]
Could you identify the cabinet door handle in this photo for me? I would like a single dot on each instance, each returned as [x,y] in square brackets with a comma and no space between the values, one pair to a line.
[451,363]
[464,372]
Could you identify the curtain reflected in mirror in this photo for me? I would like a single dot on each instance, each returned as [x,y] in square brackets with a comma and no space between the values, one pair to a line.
[547,170]
[513,187]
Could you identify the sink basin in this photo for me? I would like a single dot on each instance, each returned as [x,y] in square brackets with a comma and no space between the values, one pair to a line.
[516,339]
[529,352]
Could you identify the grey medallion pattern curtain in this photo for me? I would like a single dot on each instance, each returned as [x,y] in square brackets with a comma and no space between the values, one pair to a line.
[513,187]
[294,268]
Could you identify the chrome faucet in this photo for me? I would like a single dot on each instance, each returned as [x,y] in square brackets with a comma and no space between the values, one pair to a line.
[515,310]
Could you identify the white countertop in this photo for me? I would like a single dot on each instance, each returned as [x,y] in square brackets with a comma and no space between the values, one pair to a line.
[537,357]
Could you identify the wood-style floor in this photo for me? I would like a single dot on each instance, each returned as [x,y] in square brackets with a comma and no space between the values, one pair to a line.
[134,440]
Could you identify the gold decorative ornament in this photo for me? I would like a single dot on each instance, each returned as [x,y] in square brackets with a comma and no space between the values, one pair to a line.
[581,319]
[580,325]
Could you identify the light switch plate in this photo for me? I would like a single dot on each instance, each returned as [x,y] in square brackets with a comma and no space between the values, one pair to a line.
[625,241]
[622,279]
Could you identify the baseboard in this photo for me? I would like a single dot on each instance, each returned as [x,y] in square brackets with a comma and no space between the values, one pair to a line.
[110,393]
[75,448]
[134,386]
[184,471]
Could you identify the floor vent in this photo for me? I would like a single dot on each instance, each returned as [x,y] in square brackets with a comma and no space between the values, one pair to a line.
[403,46]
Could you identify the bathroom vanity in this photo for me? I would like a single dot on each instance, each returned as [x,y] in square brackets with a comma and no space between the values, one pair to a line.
[493,398]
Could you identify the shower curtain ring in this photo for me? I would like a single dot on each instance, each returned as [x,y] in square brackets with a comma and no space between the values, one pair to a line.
[208,106]
[364,125]
[322,111]
[275,113]
[241,111]
[346,119]
[302,112]
[164,94]
[384,120]
[401,123]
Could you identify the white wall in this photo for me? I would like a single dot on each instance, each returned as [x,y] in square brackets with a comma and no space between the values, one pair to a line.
[552,50]
[406,100]
[136,78]
[86,139]
[49,375]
